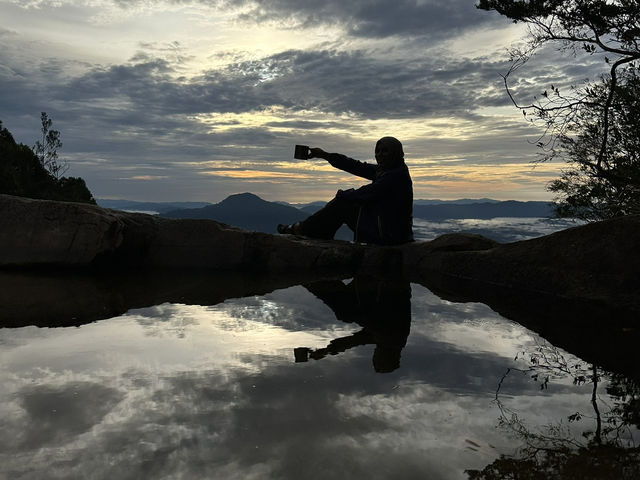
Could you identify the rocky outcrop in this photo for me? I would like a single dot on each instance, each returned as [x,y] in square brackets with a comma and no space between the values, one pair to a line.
[40,233]
[596,262]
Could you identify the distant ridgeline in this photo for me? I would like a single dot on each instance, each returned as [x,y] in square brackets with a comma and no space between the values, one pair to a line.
[248,211]
[23,175]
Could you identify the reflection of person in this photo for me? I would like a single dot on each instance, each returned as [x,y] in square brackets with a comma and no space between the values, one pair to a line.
[380,212]
[381,306]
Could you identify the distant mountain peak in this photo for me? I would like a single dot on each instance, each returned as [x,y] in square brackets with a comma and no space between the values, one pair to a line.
[244,195]
[238,198]
[245,210]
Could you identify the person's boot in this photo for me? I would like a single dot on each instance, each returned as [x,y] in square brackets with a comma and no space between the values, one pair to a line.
[293,229]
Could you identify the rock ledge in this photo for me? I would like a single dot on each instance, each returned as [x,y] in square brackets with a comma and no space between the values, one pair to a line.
[598,261]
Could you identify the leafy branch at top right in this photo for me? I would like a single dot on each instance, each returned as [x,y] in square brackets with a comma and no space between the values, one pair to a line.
[595,128]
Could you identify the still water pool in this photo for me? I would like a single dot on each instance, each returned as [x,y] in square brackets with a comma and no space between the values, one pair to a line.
[339,378]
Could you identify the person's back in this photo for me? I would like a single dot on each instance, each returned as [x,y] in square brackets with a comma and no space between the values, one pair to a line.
[388,220]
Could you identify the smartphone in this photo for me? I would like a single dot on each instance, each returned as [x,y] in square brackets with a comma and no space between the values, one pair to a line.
[302,152]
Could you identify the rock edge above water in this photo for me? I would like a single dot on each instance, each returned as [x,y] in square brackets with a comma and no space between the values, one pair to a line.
[598,261]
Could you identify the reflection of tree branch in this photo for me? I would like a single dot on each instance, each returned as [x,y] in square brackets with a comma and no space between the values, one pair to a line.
[548,360]
[535,442]
[558,440]
[553,452]
[500,383]
[594,402]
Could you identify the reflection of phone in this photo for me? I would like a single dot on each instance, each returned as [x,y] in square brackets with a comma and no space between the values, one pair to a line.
[301,354]
[302,152]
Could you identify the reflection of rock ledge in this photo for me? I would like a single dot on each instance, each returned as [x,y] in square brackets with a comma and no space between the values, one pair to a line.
[597,261]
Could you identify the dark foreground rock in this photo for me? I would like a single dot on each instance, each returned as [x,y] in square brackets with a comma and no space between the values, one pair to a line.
[599,262]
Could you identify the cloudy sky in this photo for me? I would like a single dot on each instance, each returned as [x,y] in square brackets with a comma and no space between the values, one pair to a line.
[198,99]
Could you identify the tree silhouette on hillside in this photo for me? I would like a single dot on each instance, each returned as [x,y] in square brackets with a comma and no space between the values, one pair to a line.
[24,174]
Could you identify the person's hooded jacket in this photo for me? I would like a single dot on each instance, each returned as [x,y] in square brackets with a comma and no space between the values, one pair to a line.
[386,204]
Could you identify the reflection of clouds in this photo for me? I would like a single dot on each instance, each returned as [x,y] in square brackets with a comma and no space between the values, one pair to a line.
[166,319]
[476,340]
[15,337]
[56,415]
[224,402]
[292,308]
[471,327]
[428,421]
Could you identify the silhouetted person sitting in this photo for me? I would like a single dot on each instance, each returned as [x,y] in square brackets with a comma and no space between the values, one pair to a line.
[380,212]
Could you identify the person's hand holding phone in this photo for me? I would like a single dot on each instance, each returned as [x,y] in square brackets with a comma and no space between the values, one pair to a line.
[318,153]
[303,152]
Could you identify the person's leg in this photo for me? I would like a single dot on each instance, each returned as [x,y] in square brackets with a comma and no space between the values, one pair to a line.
[326,221]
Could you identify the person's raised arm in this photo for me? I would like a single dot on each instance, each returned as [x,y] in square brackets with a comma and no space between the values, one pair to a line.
[342,162]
